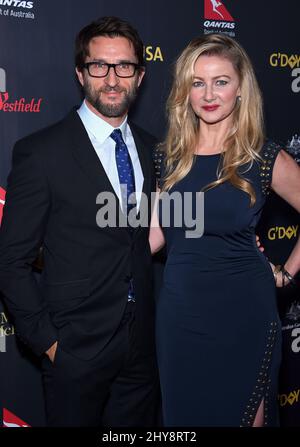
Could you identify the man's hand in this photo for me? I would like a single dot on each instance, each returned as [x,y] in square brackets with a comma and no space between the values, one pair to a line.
[51,352]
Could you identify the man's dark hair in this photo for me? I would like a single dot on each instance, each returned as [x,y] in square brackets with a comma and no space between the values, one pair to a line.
[110,27]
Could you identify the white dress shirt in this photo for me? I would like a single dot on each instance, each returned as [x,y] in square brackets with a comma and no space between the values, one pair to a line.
[99,133]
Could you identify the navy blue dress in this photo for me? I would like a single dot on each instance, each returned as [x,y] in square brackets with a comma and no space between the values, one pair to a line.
[218,331]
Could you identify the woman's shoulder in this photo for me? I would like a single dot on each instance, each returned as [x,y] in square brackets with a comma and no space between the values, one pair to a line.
[268,155]
[270,150]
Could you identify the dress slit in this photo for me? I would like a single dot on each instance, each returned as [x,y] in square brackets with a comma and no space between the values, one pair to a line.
[263,383]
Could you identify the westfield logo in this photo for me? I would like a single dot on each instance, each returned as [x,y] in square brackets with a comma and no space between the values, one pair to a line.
[19,105]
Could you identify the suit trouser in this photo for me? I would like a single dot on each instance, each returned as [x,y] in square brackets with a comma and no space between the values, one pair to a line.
[119,387]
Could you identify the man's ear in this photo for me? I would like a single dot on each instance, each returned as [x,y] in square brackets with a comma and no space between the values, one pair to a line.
[79,76]
[141,75]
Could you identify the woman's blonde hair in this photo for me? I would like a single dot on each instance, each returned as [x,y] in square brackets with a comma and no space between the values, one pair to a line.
[245,139]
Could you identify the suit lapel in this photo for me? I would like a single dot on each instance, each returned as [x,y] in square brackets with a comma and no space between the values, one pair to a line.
[86,157]
[142,152]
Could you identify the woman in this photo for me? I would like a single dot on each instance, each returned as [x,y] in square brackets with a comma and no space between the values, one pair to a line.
[218,331]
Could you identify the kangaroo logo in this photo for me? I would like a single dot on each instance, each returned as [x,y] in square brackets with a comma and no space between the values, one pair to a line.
[215,5]
[215,10]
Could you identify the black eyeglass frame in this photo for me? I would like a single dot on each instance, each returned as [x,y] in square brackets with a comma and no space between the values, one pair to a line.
[109,66]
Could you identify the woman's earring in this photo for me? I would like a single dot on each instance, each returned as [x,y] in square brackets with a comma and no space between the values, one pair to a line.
[239,98]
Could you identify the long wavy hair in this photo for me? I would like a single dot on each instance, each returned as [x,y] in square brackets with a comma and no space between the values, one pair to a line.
[246,136]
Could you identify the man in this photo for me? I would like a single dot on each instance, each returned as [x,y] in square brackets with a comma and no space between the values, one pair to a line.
[91,317]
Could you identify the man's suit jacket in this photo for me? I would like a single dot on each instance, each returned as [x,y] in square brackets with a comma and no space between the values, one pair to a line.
[51,202]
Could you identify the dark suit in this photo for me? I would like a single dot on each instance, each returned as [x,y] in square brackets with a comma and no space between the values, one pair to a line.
[82,295]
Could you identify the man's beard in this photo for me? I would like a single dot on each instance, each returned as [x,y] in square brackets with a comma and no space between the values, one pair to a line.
[110,110]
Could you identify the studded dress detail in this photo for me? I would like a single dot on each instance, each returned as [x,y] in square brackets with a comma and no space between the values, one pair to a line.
[217,326]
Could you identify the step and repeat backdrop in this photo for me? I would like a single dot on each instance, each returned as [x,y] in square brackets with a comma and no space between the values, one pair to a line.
[38,87]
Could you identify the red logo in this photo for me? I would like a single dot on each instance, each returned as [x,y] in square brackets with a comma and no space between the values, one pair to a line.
[11,420]
[215,10]
[19,105]
[2,202]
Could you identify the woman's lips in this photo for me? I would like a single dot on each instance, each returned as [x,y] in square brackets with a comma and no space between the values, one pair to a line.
[210,108]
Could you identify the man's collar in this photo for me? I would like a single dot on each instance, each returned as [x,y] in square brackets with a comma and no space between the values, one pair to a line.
[96,126]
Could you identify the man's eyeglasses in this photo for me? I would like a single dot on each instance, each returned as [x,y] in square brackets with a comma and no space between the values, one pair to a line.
[101,69]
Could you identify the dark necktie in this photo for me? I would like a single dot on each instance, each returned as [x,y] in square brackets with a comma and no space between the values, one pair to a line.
[125,169]
[127,183]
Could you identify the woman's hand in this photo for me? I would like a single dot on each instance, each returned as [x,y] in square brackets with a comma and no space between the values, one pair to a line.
[280,278]
[156,236]
[259,246]
[277,274]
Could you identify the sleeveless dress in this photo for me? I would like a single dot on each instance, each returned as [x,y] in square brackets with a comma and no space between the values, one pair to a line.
[217,327]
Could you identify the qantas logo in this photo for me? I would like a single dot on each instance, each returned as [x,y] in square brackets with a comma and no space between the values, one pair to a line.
[11,420]
[16,3]
[215,10]
[217,19]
